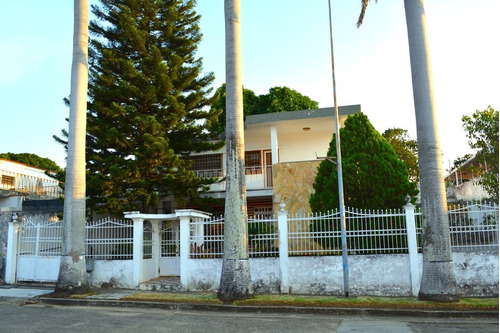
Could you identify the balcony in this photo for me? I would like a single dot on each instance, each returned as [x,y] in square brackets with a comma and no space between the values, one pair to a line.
[256,178]
[17,184]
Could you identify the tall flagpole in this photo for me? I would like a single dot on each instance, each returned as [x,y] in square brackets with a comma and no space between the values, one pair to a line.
[345,265]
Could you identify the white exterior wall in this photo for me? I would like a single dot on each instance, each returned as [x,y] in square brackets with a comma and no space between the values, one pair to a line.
[24,170]
[370,275]
[11,203]
[305,146]
[115,273]
[467,191]
[477,274]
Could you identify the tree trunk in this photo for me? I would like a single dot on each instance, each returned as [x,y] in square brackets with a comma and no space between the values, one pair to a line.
[235,282]
[438,281]
[72,272]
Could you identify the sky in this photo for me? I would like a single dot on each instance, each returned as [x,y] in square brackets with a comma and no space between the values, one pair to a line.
[284,43]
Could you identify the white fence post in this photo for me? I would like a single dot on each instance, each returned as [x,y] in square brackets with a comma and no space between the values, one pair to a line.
[12,241]
[412,248]
[283,247]
[138,250]
[184,249]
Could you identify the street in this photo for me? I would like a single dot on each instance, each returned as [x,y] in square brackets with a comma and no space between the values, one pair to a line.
[50,318]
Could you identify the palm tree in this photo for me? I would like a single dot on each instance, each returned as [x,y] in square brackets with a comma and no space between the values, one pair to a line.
[235,282]
[72,272]
[438,281]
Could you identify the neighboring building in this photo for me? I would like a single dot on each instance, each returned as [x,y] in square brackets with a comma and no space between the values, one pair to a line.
[282,153]
[461,183]
[20,182]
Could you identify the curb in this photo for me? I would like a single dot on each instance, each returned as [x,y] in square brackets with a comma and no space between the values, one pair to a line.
[271,309]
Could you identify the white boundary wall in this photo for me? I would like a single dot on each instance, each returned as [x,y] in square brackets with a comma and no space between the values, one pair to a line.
[370,275]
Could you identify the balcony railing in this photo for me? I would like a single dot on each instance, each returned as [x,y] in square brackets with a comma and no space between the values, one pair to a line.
[256,178]
[33,186]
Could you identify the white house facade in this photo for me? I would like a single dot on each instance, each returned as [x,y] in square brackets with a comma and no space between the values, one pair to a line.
[282,152]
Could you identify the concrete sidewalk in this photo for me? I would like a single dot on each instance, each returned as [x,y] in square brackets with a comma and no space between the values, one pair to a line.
[19,291]
[113,298]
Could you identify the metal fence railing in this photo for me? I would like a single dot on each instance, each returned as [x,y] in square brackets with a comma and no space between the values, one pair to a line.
[472,227]
[40,239]
[367,232]
[110,239]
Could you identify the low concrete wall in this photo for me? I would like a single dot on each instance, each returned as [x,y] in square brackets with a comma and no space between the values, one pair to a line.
[477,273]
[370,275]
[112,273]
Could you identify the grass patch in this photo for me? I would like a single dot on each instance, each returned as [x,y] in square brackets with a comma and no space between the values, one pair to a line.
[410,303]
[207,298]
[486,304]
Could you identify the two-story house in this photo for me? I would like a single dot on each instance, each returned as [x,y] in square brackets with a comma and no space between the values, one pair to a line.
[282,153]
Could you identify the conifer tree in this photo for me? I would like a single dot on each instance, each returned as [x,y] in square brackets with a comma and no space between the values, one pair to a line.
[374,176]
[149,103]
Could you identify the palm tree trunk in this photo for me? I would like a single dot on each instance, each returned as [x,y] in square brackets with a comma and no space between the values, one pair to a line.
[72,272]
[235,282]
[438,281]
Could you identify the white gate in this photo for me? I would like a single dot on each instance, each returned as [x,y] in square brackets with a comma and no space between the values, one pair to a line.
[39,251]
[170,247]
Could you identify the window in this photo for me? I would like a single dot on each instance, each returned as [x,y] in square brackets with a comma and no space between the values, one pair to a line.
[253,162]
[206,166]
[8,181]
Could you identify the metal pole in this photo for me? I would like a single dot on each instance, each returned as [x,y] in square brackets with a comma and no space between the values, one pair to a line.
[345,265]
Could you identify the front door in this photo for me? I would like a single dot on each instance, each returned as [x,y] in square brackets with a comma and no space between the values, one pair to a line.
[170,247]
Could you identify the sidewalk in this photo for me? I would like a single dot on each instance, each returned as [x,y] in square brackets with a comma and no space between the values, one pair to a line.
[113,297]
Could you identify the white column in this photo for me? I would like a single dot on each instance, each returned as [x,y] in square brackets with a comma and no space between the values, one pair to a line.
[11,260]
[184,251]
[283,248]
[156,248]
[274,144]
[138,250]
[412,248]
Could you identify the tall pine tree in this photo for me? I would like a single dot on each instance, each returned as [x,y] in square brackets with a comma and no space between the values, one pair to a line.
[148,103]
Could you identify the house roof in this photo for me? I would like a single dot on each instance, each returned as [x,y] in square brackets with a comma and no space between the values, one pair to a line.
[314,120]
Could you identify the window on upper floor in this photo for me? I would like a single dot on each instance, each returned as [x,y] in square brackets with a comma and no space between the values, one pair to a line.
[209,165]
[8,181]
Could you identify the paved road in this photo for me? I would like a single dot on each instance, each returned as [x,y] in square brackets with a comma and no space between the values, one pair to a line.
[53,319]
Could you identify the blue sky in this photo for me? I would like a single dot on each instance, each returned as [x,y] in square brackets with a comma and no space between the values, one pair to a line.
[284,43]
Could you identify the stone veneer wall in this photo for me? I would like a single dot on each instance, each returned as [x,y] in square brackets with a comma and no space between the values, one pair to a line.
[293,184]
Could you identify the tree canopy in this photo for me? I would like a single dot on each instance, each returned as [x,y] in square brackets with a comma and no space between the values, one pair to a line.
[482,131]
[32,160]
[147,105]
[278,99]
[405,148]
[373,175]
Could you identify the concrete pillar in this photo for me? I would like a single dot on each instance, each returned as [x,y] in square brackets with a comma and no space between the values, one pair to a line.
[274,144]
[138,250]
[184,250]
[11,259]
[412,248]
[283,248]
